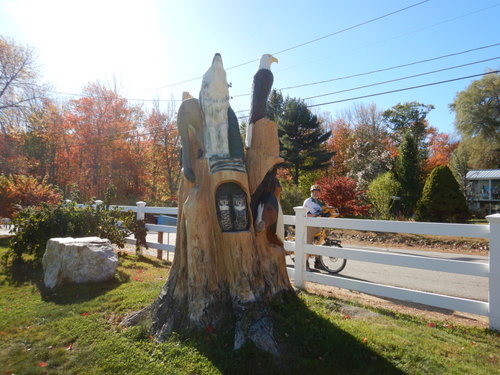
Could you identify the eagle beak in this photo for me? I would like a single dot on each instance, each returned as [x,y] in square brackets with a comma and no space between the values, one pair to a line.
[274,59]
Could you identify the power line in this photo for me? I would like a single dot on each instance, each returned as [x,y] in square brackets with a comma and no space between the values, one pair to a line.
[304,43]
[403,89]
[378,70]
[399,36]
[403,78]
[392,91]
[351,27]
[389,68]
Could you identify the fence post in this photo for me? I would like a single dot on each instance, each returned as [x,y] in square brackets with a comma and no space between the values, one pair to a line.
[494,281]
[300,256]
[159,253]
[140,210]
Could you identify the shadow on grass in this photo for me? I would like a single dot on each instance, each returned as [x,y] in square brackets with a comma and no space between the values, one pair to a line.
[309,344]
[72,293]
[132,261]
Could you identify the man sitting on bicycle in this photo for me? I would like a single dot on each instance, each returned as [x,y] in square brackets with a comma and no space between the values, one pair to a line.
[315,208]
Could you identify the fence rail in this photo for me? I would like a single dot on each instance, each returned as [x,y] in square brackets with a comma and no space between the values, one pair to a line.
[490,270]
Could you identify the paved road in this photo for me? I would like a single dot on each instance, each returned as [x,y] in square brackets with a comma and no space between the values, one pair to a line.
[471,287]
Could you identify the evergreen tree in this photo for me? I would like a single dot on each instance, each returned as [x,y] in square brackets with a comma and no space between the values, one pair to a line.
[275,106]
[410,117]
[407,173]
[442,200]
[302,137]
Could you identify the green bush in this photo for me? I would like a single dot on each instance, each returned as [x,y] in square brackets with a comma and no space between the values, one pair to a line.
[291,196]
[381,192]
[442,200]
[35,226]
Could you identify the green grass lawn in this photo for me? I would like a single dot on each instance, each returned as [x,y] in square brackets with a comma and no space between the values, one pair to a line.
[77,331]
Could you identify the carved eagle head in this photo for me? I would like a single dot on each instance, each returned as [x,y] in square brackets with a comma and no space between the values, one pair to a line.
[266,60]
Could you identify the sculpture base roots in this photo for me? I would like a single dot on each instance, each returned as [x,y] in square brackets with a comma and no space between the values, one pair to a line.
[250,321]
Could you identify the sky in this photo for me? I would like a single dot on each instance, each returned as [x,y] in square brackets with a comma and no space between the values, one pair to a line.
[154,50]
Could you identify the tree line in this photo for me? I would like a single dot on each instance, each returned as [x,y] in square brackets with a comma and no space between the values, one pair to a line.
[101,145]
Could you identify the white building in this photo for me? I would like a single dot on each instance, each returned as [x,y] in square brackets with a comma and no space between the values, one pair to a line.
[483,193]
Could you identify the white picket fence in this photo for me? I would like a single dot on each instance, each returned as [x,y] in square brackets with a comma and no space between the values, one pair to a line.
[490,270]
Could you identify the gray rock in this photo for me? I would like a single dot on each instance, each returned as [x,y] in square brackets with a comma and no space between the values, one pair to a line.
[79,260]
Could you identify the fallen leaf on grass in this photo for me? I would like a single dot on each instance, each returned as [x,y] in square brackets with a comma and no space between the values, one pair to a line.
[42,364]
[365,340]
[85,314]
[3,333]
[346,316]
[69,347]
[431,324]
[137,279]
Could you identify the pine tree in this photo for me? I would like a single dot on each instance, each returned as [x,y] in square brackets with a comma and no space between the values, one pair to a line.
[442,200]
[302,137]
[275,106]
[407,173]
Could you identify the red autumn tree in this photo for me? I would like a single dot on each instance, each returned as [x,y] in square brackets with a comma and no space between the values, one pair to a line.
[342,193]
[163,155]
[42,139]
[440,150]
[102,145]
[340,142]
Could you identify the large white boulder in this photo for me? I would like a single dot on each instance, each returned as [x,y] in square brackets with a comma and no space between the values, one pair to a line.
[79,260]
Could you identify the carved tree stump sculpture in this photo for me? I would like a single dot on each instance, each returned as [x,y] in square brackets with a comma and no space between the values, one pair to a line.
[229,260]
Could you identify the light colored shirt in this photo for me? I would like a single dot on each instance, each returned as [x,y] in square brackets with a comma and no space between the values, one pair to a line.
[314,206]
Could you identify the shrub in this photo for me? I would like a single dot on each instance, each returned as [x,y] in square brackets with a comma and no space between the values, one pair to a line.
[442,199]
[343,194]
[291,196]
[23,191]
[35,226]
[381,192]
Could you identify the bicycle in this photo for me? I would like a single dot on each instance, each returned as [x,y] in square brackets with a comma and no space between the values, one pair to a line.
[329,264]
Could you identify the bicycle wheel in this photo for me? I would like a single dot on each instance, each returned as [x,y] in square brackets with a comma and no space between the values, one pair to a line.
[333,264]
